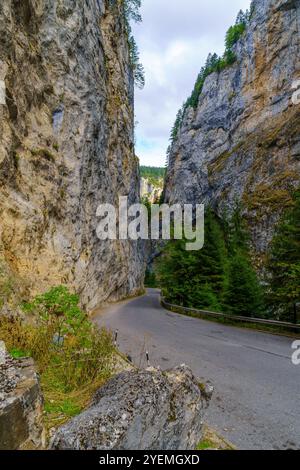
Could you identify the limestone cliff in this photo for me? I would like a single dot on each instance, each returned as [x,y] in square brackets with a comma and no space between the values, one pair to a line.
[66,145]
[243,139]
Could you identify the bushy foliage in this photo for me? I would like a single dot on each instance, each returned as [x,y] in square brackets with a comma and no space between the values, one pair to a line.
[150,279]
[58,306]
[131,10]
[284,264]
[73,356]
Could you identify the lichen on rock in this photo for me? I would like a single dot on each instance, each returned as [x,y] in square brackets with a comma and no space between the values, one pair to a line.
[141,410]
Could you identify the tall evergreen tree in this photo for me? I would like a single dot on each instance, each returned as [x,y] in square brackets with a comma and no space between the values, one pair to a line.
[284,263]
[131,11]
[194,278]
[243,293]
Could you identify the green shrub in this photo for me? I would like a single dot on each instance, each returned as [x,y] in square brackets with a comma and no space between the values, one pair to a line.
[233,34]
[73,356]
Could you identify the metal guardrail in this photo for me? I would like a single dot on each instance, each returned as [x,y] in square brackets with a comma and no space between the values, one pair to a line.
[234,318]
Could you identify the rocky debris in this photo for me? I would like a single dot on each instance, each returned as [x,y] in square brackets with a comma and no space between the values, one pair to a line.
[242,140]
[141,410]
[21,403]
[66,146]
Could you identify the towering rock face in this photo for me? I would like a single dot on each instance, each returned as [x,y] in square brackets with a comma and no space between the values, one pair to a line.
[243,140]
[66,145]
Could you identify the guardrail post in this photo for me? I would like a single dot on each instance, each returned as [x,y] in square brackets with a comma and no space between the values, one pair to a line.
[116,338]
[296,307]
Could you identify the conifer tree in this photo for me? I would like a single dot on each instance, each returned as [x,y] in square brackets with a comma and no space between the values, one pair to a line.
[195,279]
[243,293]
[284,264]
[131,10]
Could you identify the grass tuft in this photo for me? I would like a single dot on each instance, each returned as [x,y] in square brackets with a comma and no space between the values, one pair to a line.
[74,358]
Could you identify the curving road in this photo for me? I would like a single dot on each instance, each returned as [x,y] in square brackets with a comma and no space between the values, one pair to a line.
[256,404]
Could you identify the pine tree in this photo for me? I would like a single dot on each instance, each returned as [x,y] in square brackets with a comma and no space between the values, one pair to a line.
[195,279]
[243,293]
[131,11]
[177,124]
[284,263]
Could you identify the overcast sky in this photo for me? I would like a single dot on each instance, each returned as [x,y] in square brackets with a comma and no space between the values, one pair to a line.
[174,41]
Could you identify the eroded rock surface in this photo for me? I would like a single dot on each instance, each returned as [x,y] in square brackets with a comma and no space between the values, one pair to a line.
[21,403]
[66,145]
[144,410]
[242,142]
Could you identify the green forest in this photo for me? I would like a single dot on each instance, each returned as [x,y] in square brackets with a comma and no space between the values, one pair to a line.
[154,175]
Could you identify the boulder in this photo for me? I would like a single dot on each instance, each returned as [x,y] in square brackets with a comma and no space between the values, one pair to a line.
[21,403]
[141,410]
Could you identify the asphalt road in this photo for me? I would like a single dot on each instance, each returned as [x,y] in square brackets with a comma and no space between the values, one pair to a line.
[256,404]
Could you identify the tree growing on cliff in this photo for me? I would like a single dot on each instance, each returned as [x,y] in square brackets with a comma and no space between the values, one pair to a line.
[131,9]
[214,63]
[284,264]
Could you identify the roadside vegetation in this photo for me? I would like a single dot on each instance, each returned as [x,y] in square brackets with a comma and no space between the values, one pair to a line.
[213,441]
[221,277]
[284,264]
[73,357]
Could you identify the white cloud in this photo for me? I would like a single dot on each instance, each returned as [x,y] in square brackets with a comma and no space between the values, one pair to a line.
[174,41]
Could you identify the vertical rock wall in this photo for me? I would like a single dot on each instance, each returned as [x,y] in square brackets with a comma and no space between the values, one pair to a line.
[66,145]
[242,142]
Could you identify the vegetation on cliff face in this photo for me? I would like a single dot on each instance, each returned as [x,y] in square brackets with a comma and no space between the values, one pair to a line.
[73,357]
[214,63]
[131,10]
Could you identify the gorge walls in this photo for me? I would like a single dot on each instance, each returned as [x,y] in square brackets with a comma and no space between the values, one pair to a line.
[66,145]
